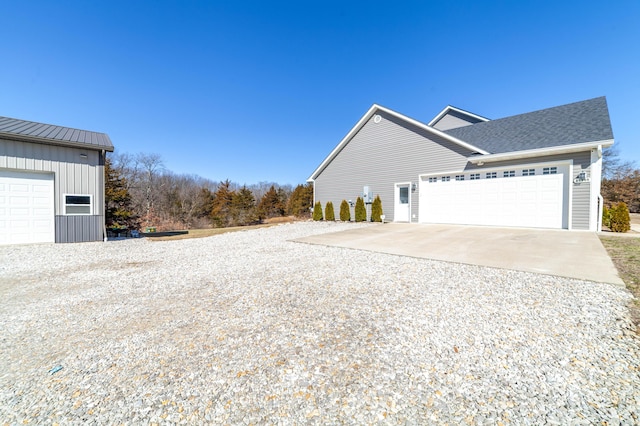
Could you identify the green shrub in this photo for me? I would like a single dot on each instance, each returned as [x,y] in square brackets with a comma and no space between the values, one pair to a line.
[345,211]
[376,209]
[317,211]
[361,210]
[606,217]
[620,221]
[328,212]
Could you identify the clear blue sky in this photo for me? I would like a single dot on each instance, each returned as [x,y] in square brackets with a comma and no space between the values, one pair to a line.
[263,91]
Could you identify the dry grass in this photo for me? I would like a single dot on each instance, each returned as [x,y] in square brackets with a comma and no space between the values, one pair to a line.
[625,253]
[208,232]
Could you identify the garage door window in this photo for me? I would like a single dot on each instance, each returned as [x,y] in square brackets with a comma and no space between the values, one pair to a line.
[77,204]
[529,172]
[549,170]
[474,176]
[491,175]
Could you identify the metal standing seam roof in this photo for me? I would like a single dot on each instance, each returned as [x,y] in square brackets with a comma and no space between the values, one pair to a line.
[579,122]
[13,128]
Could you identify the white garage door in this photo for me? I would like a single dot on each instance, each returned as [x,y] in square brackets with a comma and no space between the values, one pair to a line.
[532,197]
[26,208]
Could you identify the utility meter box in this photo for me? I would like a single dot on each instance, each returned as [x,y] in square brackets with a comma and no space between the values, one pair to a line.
[367,195]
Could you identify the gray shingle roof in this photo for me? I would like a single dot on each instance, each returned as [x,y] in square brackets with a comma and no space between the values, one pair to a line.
[579,122]
[13,128]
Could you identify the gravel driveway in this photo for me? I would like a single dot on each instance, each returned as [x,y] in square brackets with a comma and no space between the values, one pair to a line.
[251,328]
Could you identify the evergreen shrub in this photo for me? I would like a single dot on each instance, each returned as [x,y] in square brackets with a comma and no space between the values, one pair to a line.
[317,211]
[376,209]
[620,220]
[361,210]
[328,212]
[345,211]
[606,217]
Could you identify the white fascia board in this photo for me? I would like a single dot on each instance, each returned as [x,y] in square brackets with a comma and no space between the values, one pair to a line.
[55,142]
[448,108]
[539,152]
[375,108]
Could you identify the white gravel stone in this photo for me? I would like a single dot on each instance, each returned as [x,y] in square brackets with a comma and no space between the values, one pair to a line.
[250,327]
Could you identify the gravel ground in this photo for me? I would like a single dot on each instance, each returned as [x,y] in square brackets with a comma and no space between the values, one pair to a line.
[248,328]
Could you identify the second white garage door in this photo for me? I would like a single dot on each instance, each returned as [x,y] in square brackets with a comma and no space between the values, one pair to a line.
[26,208]
[532,197]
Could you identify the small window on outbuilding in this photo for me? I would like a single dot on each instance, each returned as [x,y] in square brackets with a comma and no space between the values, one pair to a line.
[76,204]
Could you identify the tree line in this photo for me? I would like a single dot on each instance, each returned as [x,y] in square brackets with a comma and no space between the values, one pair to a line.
[140,192]
[620,181]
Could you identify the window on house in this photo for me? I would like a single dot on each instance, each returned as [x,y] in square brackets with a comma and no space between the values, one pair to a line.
[529,172]
[459,177]
[446,178]
[549,170]
[433,179]
[509,173]
[404,195]
[77,204]
[491,175]
[474,176]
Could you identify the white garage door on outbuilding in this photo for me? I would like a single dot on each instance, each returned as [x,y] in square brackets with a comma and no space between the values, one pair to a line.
[534,196]
[26,208]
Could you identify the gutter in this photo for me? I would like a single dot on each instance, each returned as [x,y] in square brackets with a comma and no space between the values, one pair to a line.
[563,149]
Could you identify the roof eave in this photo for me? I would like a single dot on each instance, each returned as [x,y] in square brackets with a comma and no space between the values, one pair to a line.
[374,108]
[46,141]
[448,108]
[539,152]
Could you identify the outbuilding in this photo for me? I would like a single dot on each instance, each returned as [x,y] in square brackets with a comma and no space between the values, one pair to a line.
[51,183]
[539,169]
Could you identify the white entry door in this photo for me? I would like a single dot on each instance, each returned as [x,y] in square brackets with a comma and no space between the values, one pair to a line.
[26,208]
[402,207]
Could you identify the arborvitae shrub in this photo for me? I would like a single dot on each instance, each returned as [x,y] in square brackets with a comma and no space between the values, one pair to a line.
[606,217]
[328,212]
[620,221]
[345,211]
[317,211]
[361,211]
[376,209]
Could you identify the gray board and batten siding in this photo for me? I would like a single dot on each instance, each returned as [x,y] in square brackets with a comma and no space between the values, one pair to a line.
[74,157]
[382,154]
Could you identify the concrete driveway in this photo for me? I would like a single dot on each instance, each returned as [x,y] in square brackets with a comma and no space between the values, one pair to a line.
[573,254]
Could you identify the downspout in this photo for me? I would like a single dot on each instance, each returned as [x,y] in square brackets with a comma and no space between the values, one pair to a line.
[104,213]
[600,199]
[600,204]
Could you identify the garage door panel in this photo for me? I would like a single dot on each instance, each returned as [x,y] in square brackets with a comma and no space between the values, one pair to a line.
[525,201]
[27,212]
